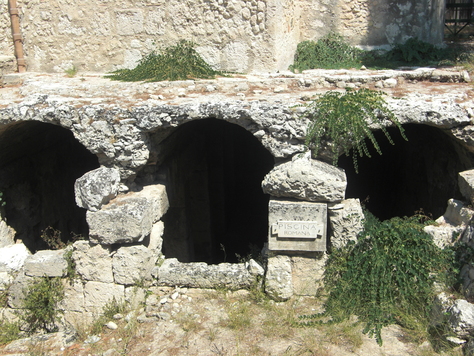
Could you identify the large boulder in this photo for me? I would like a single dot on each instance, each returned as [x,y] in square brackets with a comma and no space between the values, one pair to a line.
[306,179]
[97,187]
[129,217]
[346,220]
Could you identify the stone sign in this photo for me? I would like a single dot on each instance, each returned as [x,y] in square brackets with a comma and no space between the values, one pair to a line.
[297,226]
[297,229]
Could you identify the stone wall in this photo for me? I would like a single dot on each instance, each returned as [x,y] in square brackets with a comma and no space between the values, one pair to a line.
[233,35]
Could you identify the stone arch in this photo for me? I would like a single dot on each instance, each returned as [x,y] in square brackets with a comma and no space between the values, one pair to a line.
[421,173]
[213,172]
[39,164]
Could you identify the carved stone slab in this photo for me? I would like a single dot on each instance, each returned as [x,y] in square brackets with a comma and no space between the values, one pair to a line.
[297,226]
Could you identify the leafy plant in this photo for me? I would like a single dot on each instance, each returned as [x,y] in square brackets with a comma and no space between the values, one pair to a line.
[345,120]
[9,331]
[41,303]
[71,72]
[179,62]
[71,265]
[329,52]
[388,275]
[416,51]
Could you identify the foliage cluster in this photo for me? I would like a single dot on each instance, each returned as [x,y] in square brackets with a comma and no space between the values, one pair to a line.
[345,120]
[332,52]
[179,62]
[41,304]
[386,277]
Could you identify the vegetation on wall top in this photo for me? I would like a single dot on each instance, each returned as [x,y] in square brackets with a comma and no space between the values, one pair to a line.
[343,121]
[332,52]
[179,62]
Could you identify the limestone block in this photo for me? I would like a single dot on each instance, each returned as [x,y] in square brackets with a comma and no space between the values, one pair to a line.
[439,311]
[5,280]
[97,187]
[466,184]
[306,179]
[80,320]
[461,318]
[7,235]
[305,218]
[254,268]
[456,213]
[346,221]
[12,258]
[93,263]
[16,293]
[97,295]
[73,296]
[307,273]
[202,275]
[50,263]
[129,217]
[443,235]
[278,279]
[132,264]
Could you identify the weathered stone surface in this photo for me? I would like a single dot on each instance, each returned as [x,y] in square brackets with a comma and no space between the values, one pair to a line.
[16,293]
[278,279]
[97,295]
[202,275]
[445,234]
[12,258]
[93,262]
[73,296]
[441,304]
[346,221]
[135,297]
[456,213]
[132,264]
[255,268]
[306,179]
[466,184]
[307,273]
[47,263]
[97,187]
[461,318]
[300,212]
[128,218]
[7,235]
[156,237]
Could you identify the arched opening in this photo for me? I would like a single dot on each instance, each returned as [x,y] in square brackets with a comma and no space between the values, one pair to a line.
[218,211]
[39,164]
[421,173]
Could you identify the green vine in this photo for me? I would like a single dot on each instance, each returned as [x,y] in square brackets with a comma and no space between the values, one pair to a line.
[346,120]
[179,62]
[386,277]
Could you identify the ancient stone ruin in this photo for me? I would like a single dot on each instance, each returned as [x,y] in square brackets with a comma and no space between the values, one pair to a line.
[198,182]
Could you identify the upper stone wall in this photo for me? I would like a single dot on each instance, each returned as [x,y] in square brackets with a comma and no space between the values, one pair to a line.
[233,35]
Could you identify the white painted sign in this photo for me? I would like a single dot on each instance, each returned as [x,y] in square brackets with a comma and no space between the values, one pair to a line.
[298,229]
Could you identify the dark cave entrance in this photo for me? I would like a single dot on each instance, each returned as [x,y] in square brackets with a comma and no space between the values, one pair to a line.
[421,173]
[39,164]
[218,211]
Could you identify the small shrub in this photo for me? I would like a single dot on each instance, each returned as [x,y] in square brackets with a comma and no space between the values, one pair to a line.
[345,120]
[179,62]
[71,72]
[9,331]
[71,265]
[53,238]
[416,51]
[388,275]
[41,302]
[329,52]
